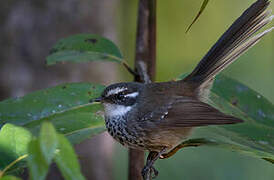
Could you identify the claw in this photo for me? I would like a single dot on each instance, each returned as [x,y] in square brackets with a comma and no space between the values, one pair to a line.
[145,172]
[155,172]
[149,172]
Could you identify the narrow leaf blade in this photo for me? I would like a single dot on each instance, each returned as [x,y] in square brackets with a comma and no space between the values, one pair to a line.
[67,161]
[48,141]
[205,2]
[38,166]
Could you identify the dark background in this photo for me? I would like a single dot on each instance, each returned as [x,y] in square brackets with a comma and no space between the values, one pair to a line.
[30,28]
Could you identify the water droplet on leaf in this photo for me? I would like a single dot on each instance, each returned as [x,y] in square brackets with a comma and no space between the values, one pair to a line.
[263,142]
[78,102]
[17,99]
[34,117]
[258,96]
[261,113]
[57,151]
[73,93]
[241,88]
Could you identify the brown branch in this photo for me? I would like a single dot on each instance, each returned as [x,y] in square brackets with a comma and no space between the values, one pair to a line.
[145,62]
[146,39]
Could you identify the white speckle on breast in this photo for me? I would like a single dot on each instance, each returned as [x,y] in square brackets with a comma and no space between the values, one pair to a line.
[112,110]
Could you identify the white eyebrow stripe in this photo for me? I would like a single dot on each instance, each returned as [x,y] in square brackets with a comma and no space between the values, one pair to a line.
[116,90]
[132,94]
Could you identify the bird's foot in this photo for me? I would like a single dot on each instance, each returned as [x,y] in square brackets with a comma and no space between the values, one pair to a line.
[149,172]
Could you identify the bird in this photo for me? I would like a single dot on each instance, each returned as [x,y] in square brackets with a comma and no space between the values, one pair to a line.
[158,116]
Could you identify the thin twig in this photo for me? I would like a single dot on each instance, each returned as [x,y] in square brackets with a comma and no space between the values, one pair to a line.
[128,68]
[12,163]
[145,63]
[146,39]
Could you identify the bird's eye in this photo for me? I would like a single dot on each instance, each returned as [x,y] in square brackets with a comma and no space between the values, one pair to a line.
[120,96]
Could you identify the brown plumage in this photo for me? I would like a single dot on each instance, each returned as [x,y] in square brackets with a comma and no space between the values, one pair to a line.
[159,116]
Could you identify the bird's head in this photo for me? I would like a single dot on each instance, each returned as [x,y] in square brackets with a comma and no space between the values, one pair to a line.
[118,99]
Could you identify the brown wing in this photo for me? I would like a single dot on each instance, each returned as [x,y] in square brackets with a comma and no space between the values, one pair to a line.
[188,112]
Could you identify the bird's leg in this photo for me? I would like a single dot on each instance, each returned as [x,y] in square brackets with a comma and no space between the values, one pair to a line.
[149,171]
[189,143]
[172,152]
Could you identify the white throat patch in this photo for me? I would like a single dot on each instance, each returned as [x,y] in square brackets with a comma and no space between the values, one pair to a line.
[112,110]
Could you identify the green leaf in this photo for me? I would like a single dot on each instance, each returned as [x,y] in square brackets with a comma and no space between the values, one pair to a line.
[13,144]
[254,137]
[205,2]
[74,121]
[83,48]
[48,146]
[48,141]
[82,134]
[47,102]
[66,106]
[38,166]
[10,178]
[67,161]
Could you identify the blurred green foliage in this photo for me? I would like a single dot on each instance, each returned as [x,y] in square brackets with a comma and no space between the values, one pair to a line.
[51,146]
[178,52]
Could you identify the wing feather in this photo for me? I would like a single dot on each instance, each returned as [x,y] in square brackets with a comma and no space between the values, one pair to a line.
[188,112]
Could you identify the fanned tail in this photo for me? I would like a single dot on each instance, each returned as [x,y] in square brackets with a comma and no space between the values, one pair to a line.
[233,43]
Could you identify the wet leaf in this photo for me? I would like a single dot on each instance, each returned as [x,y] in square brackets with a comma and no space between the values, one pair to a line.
[254,137]
[83,48]
[66,106]
[74,121]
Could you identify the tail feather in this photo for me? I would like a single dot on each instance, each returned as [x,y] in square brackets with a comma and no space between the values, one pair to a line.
[234,42]
[237,51]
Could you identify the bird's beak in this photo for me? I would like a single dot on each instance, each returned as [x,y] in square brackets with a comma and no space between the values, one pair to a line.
[99,99]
